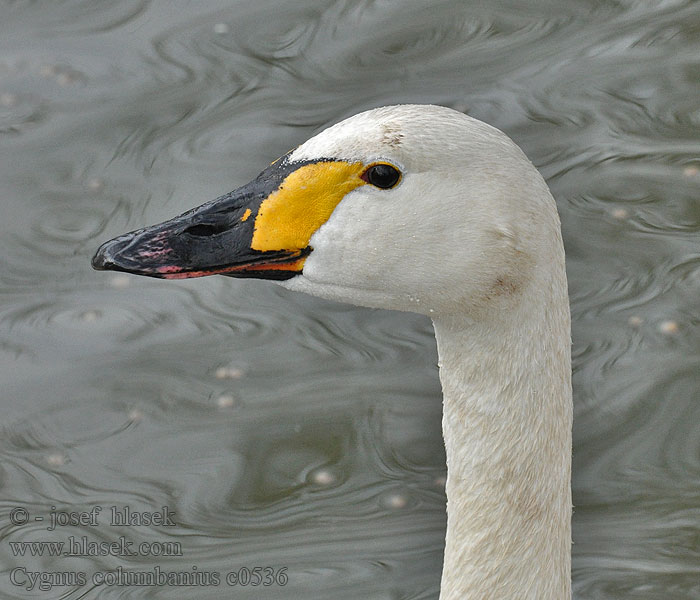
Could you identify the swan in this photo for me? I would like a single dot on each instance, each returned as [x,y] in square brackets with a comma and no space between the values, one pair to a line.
[422,208]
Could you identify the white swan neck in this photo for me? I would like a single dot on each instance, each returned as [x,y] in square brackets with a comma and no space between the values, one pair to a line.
[507,429]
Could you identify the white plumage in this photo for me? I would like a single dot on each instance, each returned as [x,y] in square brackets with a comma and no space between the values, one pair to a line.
[471,238]
[465,232]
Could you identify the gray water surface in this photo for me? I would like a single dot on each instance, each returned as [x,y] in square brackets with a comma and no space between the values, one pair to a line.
[287,432]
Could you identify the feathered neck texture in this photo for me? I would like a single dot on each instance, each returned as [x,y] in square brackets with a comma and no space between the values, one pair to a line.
[507,427]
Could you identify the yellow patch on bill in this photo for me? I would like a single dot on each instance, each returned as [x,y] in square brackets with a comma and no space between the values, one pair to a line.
[288,217]
[246,214]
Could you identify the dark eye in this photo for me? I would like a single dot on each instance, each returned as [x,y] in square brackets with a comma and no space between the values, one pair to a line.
[382,176]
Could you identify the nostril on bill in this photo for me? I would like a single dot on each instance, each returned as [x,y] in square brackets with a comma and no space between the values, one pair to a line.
[204,230]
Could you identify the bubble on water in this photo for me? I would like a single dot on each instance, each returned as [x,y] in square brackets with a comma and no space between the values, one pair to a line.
[221,28]
[7,99]
[56,459]
[120,281]
[135,415]
[229,373]
[620,213]
[691,170]
[64,79]
[95,184]
[90,316]
[635,321]
[226,401]
[395,500]
[322,477]
[668,327]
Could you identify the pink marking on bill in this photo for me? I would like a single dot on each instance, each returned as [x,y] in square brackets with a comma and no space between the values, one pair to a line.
[154,253]
[188,275]
[174,272]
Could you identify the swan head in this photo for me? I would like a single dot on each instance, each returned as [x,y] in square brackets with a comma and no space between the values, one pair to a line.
[410,207]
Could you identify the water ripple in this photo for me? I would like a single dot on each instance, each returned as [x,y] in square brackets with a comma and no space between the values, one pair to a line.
[287,430]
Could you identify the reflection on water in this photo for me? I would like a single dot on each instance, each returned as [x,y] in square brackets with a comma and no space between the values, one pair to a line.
[285,431]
